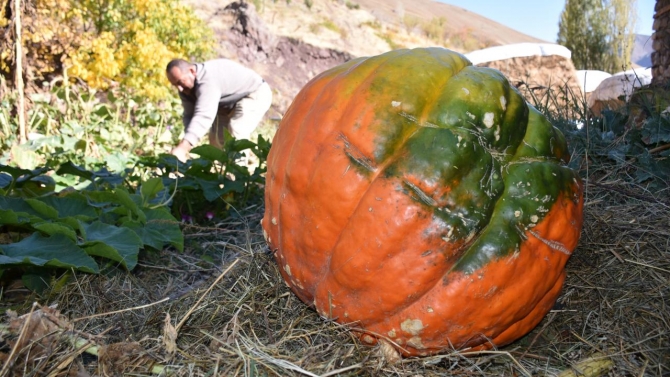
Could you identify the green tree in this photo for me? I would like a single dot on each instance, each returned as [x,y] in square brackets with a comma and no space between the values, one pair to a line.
[582,29]
[106,42]
[598,32]
[622,34]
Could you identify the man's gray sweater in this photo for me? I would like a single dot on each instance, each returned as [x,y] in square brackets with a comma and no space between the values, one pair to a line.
[219,84]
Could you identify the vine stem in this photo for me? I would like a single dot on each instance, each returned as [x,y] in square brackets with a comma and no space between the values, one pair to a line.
[659,149]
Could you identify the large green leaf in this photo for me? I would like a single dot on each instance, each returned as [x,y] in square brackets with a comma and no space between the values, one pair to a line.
[150,189]
[72,222]
[126,200]
[17,205]
[213,189]
[54,228]
[210,153]
[11,217]
[54,251]
[111,242]
[16,211]
[5,180]
[101,176]
[161,229]
[22,174]
[72,205]
[14,171]
[36,186]
[70,168]
[199,168]
[25,157]
[38,279]
[7,216]
[239,145]
[117,162]
[44,210]
[102,199]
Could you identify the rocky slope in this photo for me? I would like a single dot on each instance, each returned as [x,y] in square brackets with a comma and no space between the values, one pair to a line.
[289,42]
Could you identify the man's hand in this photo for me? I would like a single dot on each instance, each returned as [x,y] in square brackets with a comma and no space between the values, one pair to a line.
[181,150]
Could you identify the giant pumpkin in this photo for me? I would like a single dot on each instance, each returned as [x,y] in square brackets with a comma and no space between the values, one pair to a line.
[421,201]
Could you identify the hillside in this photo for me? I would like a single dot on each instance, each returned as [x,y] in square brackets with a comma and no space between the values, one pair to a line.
[365,27]
[288,42]
[642,50]
[459,21]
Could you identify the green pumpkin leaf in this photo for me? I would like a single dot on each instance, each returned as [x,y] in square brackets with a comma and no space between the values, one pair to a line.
[101,176]
[70,168]
[55,251]
[211,189]
[51,229]
[71,222]
[111,242]
[240,145]
[36,186]
[16,211]
[126,200]
[101,199]
[24,157]
[151,188]
[43,209]
[161,229]
[15,172]
[117,162]
[37,281]
[5,180]
[209,153]
[230,186]
[17,205]
[10,217]
[73,205]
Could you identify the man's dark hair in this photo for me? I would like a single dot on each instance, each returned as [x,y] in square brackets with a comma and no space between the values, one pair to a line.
[179,63]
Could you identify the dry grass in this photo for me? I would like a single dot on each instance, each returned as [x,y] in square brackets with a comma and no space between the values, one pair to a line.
[221,309]
[245,322]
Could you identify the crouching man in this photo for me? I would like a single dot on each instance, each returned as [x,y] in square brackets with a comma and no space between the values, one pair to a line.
[217,95]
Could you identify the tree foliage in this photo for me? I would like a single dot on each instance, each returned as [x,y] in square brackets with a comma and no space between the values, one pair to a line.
[108,42]
[599,33]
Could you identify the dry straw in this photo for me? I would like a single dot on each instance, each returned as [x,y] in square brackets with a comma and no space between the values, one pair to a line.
[237,317]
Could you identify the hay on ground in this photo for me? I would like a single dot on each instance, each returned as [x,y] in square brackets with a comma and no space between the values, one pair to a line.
[189,314]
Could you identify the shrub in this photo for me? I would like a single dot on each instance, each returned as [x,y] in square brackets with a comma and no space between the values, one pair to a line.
[351,5]
[410,22]
[434,29]
[118,42]
[88,128]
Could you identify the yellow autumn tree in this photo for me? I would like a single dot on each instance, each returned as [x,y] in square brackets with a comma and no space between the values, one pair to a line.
[110,42]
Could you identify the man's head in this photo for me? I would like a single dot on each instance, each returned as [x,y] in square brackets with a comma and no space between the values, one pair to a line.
[181,75]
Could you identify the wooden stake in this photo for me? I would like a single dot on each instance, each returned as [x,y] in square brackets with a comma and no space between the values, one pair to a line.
[21,105]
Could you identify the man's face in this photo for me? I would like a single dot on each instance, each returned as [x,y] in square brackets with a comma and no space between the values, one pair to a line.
[184,80]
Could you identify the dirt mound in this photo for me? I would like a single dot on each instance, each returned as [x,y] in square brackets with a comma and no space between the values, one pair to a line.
[546,81]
